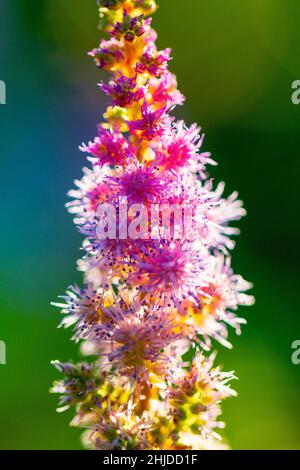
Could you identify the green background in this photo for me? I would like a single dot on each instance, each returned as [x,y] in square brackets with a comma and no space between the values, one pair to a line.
[235,61]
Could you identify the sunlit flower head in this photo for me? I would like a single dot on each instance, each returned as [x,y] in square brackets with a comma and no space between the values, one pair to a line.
[182,148]
[123,90]
[218,231]
[82,308]
[109,54]
[153,62]
[80,384]
[170,272]
[137,338]
[196,397]
[140,184]
[163,91]
[121,430]
[90,192]
[220,296]
[108,149]
[152,124]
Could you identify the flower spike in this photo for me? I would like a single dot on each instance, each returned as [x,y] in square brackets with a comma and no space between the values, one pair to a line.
[158,285]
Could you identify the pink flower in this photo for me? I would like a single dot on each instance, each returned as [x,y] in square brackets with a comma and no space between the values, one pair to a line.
[152,123]
[122,91]
[153,62]
[108,54]
[164,90]
[181,148]
[109,148]
[217,230]
[90,191]
[82,308]
[140,184]
[220,296]
[136,336]
[109,253]
[168,272]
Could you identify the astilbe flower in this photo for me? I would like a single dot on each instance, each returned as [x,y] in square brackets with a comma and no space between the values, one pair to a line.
[150,304]
[80,384]
[121,430]
[123,90]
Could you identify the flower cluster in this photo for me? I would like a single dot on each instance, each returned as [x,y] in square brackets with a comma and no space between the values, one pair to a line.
[150,305]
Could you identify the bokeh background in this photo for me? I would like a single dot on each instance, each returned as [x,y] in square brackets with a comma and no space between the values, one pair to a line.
[235,62]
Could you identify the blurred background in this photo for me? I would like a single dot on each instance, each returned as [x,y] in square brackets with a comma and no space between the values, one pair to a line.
[235,63]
